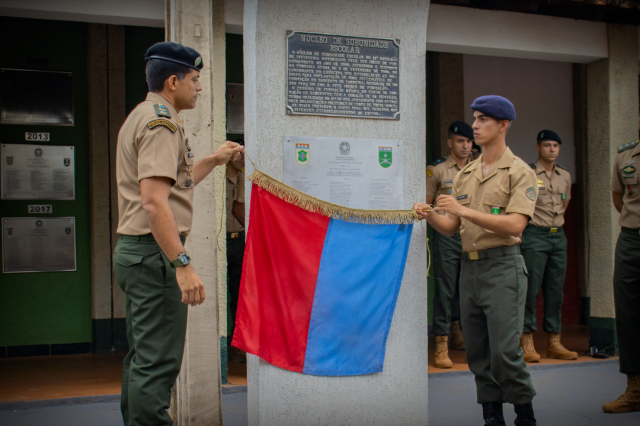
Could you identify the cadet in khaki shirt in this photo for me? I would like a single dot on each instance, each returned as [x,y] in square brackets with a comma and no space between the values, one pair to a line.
[544,248]
[156,176]
[447,251]
[493,198]
[625,188]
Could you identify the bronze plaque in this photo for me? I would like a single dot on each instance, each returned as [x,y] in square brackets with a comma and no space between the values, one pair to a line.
[342,76]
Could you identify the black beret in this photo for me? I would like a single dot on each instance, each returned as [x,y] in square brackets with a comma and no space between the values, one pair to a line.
[495,106]
[476,146]
[548,135]
[175,52]
[462,129]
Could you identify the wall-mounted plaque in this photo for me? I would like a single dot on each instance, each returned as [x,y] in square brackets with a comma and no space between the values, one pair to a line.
[357,173]
[343,76]
[36,97]
[38,244]
[37,172]
[235,108]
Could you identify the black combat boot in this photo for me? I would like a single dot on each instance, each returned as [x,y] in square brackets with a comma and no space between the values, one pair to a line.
[525,415]
[492,413]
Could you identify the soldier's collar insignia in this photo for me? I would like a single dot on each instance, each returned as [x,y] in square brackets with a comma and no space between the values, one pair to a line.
[162,110]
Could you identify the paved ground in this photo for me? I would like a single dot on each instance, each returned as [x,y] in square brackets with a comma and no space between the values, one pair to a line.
[569,396]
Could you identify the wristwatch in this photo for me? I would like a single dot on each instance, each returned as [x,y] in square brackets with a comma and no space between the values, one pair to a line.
[183,260]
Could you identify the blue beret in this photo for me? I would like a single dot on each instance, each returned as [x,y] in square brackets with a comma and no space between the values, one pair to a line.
[461,128]
[175,52]
[548,135]
[495,106]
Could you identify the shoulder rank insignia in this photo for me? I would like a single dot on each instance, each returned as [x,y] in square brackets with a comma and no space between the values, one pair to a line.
[533,166]
[162,110]
[562,167]
[630,145]
[435,163]
[162,122]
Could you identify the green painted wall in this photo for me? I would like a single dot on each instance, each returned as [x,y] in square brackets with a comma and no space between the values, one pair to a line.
[54,307]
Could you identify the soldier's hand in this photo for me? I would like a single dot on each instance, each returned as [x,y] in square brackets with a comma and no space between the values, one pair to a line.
[228,151]
[422,209]
[448,204]
[190,285]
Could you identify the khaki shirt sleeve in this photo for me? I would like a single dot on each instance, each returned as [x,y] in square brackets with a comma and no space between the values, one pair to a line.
[158,153]
[456,185]
[240,189]
[616,182]
[432,182]
[567,195]
[523,192]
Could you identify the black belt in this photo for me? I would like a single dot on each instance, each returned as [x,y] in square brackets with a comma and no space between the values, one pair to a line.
[233,235]
[491,252]
[630,231]
[146,237]
[543,229]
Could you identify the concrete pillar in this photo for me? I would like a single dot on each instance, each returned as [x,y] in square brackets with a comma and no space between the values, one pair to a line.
[449,97]
[105,61]
[612,97]
[200,24]
[399,394]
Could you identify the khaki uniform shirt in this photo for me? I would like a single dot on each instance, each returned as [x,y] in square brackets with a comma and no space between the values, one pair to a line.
[440,177]
[553,191]
[151,143]
[510,187]
[625,181]
[235,192]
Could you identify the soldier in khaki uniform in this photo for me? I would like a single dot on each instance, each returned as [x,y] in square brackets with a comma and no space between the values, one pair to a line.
[493,198]
[625,189]
[235,243]
[156,176]
[544,248]
[447,251]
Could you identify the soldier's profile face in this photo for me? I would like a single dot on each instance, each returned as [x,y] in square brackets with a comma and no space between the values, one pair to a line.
[187,90]
[485,128]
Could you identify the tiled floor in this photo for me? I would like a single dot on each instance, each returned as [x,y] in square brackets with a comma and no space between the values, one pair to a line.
[45,377]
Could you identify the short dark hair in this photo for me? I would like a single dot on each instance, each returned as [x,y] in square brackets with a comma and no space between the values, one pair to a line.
[158,71]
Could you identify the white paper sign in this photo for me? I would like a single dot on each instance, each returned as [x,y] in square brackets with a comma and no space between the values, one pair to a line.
[37,172]
[357,173]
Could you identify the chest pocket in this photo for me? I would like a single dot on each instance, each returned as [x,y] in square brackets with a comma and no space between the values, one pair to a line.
[446,188]
[185,172]
[495,200]
[629,180]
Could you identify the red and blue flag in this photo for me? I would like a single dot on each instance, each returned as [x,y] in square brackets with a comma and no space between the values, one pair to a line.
[318,292]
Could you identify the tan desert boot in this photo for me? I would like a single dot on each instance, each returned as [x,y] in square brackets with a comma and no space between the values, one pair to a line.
[457,341]
[629,400]
[526,343]
[557,351]
[442,353]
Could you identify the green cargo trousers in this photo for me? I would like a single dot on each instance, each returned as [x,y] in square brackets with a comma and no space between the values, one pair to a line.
[626,293]
[156,329]
[493,292]
[545,254]
[447,252]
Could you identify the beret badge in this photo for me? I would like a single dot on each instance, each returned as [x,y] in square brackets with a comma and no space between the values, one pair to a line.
[198,61]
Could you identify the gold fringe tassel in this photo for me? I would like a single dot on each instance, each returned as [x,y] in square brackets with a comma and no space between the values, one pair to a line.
[334,211]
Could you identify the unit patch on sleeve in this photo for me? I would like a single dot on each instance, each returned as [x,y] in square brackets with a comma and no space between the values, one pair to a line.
[531,193]
[162,122]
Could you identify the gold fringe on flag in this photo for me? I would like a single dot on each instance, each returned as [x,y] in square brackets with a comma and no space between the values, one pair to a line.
[334,211]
